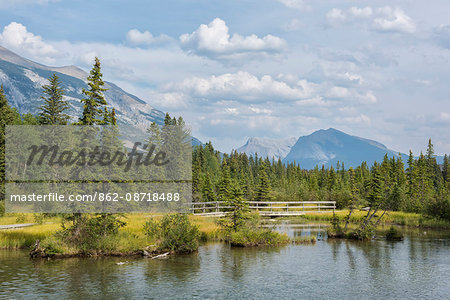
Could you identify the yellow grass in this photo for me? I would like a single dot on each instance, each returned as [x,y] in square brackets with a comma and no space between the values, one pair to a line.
[131,237]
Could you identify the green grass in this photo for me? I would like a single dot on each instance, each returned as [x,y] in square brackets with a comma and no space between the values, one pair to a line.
[257,237]
[304,240]
[390,218]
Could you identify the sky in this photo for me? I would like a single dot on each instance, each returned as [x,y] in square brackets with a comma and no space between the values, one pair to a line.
[267,68]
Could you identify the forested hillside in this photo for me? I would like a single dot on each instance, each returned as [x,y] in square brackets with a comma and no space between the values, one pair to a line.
[421,186]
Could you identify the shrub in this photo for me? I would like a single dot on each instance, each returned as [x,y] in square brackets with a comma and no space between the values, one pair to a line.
[20,218]
[257,237]
[174,233]
[2,208]
[393,234]
[92,234]
[52,246]
[362,233]
[440,208]
[39,218]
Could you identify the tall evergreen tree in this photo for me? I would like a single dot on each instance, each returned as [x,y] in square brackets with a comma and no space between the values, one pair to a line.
[445,169]
[224,189]
[95,100]
[263,188]
[8,116]
[52,112]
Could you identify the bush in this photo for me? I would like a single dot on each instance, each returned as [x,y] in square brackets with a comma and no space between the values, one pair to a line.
[440,208]
[174,233]
[362,233]
[39,218]
[20,218]
[2,208]
[393,234]
[52,246]
[92,234]
[257,237]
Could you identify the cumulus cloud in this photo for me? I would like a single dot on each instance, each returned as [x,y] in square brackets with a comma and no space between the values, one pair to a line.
[136,37]
[213,40]
[16,37]
[383,19]
[243,86]
[336,17]
[393,19]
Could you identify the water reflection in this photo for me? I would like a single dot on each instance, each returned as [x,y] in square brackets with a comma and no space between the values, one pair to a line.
[418,267]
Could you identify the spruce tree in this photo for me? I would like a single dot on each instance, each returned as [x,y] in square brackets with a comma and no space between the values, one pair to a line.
[8,116]
[52,112]
[224,189]
[95,100]
[445,169]
[263,188]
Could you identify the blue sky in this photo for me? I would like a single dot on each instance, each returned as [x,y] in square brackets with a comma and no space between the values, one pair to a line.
[269,68]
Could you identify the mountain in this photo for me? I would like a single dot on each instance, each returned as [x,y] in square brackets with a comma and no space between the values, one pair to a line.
[271,148]
[327,147]
[23,79]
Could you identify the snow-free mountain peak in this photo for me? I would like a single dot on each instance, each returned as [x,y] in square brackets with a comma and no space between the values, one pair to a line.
[264,147]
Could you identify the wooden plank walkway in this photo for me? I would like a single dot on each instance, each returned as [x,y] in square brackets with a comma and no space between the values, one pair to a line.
[265,208]
[15,226]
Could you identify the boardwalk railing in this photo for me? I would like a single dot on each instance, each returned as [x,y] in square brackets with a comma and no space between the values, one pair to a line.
[266,208]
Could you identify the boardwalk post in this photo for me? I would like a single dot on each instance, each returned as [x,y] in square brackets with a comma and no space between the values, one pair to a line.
[287,207]
[319,206]
[217,207]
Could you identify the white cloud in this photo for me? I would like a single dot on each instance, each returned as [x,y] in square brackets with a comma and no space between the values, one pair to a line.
[336,16]
[16,37]
[297,4]
[293,25]
[258,110]
[213,40]
[359,119]
[383,19]
[365,12]
[393,19]
[243,86]
[136,37]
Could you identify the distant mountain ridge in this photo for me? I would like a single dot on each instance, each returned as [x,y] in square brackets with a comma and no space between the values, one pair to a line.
[326,147]
[264,147]
[23,79]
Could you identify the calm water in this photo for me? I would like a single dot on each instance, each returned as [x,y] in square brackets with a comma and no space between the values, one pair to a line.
[418,267]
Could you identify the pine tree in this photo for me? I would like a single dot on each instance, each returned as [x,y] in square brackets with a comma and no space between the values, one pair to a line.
[224,189]
[52,112]
[263,188]
[409,174]
[445,169]
[208,194]
[95,100]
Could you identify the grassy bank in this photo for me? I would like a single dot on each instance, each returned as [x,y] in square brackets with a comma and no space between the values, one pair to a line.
[390,218]
[130,238]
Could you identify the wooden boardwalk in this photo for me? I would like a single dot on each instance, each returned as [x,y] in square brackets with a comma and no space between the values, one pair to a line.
[266,208]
